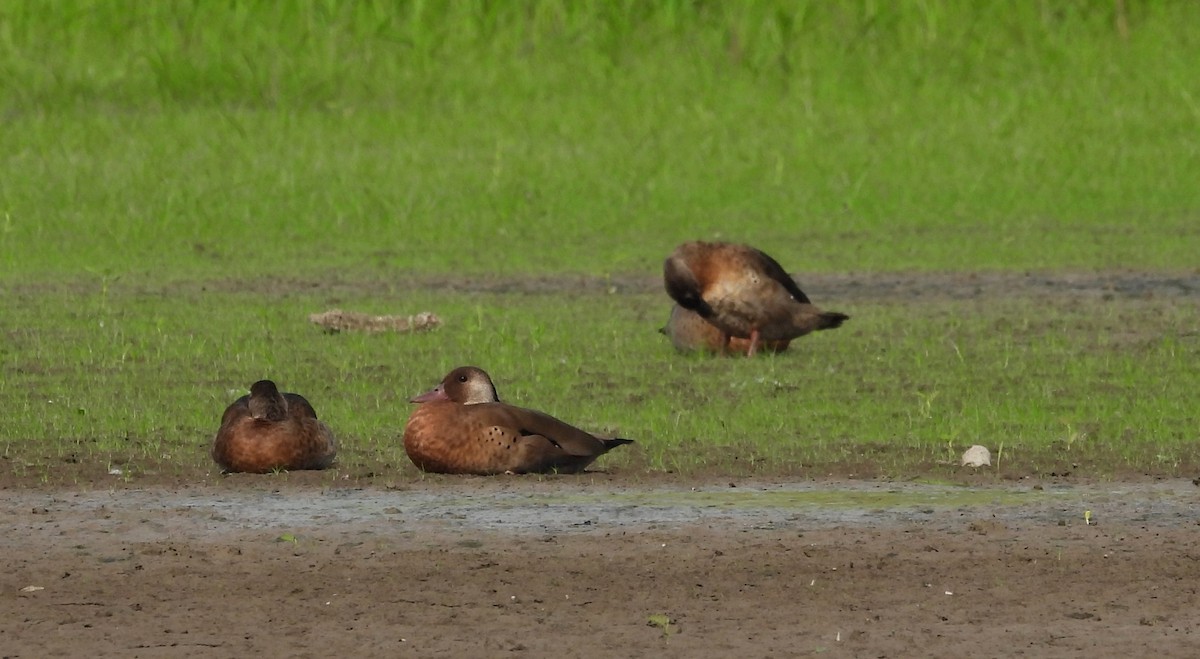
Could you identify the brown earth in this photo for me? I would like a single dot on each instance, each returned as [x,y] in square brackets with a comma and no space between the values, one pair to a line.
[603,565]
[598,567]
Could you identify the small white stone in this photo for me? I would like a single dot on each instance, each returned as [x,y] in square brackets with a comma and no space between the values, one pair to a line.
[977,456]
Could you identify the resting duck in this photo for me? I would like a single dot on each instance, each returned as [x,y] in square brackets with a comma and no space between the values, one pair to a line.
[743,292]
[690,333]
[269,430]
[461,427]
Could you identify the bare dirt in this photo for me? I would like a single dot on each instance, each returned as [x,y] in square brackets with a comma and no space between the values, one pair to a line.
[613,565]
[596,567]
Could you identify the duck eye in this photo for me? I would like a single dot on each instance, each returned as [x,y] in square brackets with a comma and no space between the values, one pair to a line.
[462,378]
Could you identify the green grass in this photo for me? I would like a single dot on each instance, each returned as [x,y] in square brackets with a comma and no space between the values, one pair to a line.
[174,175]
[194,140]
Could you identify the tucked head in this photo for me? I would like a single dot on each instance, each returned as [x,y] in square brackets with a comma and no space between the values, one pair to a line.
[467,385]
[266,402]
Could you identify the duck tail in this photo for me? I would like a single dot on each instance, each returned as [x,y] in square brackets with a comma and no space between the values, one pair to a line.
[831,320]
[610,444]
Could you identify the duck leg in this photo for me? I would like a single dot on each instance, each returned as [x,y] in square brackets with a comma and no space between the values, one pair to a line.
[753,342]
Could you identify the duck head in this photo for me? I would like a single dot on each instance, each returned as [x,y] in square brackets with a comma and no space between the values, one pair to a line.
[466,385]
[266,403]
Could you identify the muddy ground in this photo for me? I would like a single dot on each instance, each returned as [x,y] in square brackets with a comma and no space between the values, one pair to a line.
[613,564]
[840,287]
[591,567]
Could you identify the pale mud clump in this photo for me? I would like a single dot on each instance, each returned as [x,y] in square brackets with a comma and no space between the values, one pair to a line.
[336,320]
[977,456]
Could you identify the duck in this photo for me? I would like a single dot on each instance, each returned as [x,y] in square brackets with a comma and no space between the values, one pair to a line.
[462,427]
[689,332]
[743,292]
[269,430]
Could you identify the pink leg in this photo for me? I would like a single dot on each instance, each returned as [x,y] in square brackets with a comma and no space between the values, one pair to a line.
[753,342]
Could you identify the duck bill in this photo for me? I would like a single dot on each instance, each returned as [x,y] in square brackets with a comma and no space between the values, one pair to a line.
[437,393]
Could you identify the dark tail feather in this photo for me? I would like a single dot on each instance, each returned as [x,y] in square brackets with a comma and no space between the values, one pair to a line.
[831,320]
[610,444]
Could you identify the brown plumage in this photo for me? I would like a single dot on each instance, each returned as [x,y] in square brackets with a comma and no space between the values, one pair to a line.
[461,427]
[269,430]
[743,292]
[691,333]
